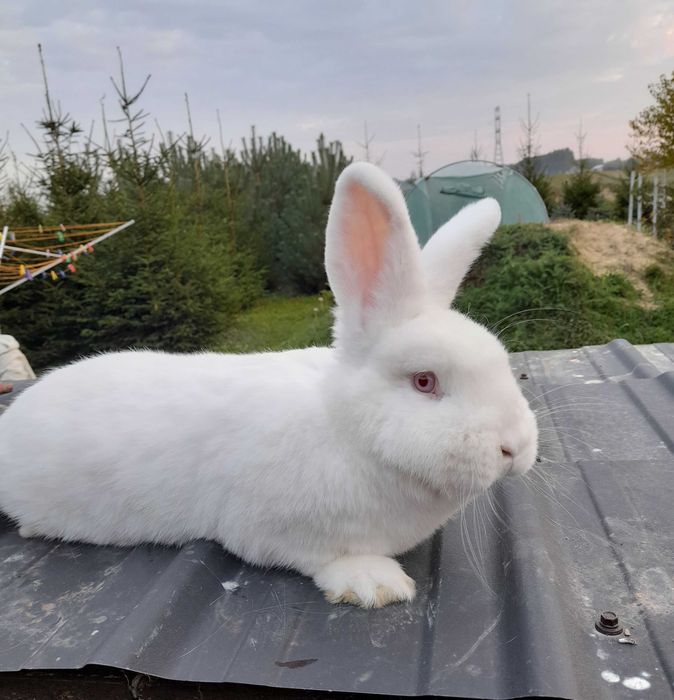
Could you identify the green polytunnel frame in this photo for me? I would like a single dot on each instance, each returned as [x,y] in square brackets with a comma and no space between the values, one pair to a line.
[435,198]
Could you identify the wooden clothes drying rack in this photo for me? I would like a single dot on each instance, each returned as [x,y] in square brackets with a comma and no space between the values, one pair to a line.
[28,252]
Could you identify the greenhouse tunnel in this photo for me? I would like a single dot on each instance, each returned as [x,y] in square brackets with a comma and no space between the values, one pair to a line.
[435,198]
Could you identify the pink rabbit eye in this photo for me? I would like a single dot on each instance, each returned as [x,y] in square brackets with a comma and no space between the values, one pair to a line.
[425,382]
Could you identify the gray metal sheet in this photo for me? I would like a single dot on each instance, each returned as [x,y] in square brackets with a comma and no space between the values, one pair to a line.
[507,598]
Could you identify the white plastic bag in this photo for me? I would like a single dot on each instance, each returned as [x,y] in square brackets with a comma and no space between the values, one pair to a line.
[13,363]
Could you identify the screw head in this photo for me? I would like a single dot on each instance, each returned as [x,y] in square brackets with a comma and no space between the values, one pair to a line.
[608,623]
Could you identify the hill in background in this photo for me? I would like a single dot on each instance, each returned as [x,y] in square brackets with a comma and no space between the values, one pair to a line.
[563,161]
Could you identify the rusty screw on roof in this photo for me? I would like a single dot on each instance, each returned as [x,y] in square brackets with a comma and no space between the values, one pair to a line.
[608,623]
[524,375]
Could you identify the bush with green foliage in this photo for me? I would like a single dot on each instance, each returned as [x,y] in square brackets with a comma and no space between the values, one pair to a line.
[528,168]
[580,193]
[286,202]
[618,208]
[653,128]
[621,196]
[652,132]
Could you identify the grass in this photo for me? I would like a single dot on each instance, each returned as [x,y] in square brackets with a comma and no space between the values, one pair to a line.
[532,271]
[281,323]
[528,275]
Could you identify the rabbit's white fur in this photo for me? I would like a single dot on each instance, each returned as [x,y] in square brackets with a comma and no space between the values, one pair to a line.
[326,460]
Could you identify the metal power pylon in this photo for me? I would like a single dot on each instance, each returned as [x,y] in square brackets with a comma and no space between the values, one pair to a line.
[498,146]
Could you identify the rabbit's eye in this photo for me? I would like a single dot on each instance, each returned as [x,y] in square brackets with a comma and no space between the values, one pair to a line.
[425,382]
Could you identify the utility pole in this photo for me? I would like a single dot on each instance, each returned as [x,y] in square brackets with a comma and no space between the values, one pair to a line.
[580,138]
[419,154]
[498,146]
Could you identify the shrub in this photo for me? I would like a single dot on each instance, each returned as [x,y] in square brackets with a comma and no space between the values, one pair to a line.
[581,193]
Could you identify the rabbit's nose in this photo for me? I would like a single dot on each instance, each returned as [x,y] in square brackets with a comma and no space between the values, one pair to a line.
[507,453]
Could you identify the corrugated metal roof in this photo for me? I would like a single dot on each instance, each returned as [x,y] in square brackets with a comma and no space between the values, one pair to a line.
[592,531]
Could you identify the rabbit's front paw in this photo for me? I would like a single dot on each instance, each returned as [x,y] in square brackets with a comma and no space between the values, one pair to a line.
[26,531]
[367,580]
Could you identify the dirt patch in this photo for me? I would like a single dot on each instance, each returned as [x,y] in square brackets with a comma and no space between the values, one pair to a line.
[609,247]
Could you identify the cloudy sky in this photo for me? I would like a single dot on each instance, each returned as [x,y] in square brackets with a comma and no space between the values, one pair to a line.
[305,66]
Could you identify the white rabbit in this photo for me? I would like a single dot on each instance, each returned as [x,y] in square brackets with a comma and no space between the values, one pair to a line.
[326,460]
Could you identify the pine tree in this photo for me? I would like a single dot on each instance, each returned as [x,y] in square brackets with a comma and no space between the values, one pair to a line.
[528,165]
[580,192]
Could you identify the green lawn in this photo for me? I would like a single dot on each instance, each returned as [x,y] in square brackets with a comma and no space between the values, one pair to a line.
[280,323]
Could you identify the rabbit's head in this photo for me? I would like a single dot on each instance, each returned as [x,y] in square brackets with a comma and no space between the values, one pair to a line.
[420,387]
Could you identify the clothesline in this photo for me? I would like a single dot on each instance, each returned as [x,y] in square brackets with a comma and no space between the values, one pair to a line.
[22,260]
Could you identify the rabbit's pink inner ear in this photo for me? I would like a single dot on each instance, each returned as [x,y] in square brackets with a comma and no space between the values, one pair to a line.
[366,233]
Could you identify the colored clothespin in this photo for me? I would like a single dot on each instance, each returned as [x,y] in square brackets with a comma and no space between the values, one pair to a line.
[60,233]
[22,270]
[39,228]
[29,276]
[68,258]
[62,274]
[90,248]
[72,268]
[74,256]
[54,276]
[43,275]
[12,236]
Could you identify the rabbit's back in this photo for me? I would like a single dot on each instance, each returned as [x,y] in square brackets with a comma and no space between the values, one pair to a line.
[145,446]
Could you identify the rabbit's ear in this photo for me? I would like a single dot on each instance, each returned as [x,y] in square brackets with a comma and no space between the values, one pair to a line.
[371,253]
[448,255]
